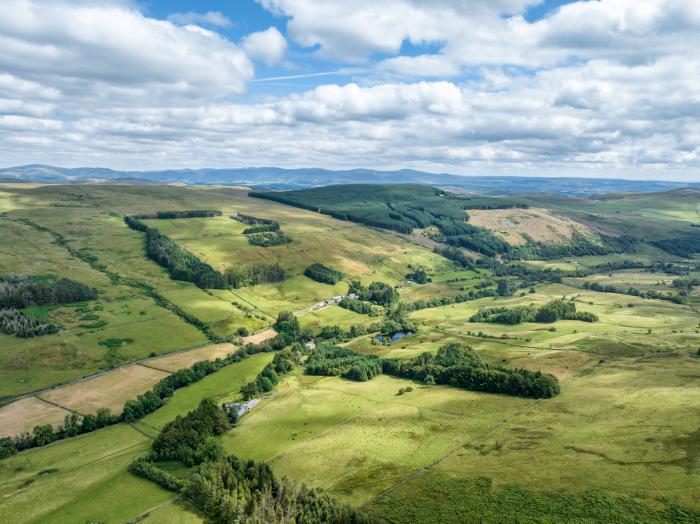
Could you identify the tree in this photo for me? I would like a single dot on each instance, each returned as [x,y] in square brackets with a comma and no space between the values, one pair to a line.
[429,380]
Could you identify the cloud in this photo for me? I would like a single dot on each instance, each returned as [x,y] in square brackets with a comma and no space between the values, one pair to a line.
[608,87]
[269,46]
[109,47]
[214,18]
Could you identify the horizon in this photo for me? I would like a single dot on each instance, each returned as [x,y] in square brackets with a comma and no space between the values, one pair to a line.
[539,88]
[599,176]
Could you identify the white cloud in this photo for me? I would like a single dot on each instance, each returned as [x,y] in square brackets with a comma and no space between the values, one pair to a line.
[215,18]
[81,47]
[268,46]
[597,87]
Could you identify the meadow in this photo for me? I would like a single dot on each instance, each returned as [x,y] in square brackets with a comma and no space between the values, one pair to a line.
[618,444]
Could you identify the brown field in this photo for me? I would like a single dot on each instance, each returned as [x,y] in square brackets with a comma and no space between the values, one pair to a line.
[185,359]
[110,390]
[22,415]
[259,338]
[515,225]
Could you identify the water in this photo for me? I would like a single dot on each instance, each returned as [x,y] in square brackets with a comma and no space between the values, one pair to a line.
[396,336]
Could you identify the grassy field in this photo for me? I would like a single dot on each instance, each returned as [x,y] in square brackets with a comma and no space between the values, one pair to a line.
[619,444]
[84,479]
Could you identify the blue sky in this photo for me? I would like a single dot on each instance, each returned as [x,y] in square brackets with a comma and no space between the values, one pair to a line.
[524,87]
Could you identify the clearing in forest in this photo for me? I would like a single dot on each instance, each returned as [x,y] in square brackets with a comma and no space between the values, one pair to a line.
[516,225]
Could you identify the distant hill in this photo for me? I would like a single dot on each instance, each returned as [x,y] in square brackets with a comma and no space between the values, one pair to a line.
[279,178]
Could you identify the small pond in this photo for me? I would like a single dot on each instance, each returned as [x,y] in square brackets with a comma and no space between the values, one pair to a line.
[396,336]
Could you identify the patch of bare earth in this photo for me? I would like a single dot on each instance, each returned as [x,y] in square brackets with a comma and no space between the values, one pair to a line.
[186,359]
[22,415]
[110,390]
[516,225]
[260,337]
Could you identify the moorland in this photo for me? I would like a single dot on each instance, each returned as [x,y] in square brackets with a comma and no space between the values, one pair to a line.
[389,353]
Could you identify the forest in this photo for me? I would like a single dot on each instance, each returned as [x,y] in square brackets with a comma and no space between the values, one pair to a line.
[458,365]
[454,364]
[557,309]
[323,274]
[226,488]
[21,292]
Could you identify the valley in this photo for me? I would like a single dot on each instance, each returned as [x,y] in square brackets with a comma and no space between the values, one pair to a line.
[578,403]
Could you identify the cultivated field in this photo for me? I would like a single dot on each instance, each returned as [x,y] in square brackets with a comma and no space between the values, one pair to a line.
[22,415]
[109,390]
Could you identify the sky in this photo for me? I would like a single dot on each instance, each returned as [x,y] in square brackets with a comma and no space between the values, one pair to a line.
[595,88]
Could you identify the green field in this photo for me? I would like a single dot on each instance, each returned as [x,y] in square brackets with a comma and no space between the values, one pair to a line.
[618,444]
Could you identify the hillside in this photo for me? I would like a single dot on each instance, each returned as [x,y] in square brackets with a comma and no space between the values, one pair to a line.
[395,376]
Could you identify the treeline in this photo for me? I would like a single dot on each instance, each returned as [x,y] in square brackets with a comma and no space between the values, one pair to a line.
[683,246]
[269,377]
[557,309]
[137,408]
[401,208]
[333,361]
[687,282]
[362,307]
[45,434]
[273,238]
[323,274]
[21,292]
[189,439]
[231,490]
[14,322]
[183,265]
[225,488]
[251,220]
[378,292]
[180,263]
[579,245]
[474,294]
[193,213]
[486,203]
[253,274]
[454,364]
[264,231]
[457,365]
[635,292]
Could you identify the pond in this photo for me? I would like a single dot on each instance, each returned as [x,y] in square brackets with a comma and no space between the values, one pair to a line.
[396,336]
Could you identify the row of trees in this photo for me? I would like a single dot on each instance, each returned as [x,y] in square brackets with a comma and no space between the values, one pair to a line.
[557,309]
[269,377]
[378,292]
[324,274]
[272,238]
[183,265]
[180,263]
[454,364]
[14,322]
[636,292]
[362,307]
[135,409]
[458,365]
[253,274]
[190,213]
[231,490]
[329,360]
[21,292]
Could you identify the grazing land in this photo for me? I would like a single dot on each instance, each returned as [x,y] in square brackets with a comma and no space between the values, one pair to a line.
[618,443]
